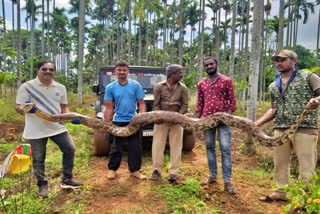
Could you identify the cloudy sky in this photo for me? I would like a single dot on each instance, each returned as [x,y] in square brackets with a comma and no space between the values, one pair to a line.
[307,34]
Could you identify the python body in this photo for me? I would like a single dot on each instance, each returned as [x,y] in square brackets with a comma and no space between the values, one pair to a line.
[192,124]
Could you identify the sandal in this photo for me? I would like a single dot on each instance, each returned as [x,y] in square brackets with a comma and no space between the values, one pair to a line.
[271,198]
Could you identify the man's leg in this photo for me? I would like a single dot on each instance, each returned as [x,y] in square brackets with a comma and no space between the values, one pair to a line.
[225,148]
[175,140]
[210,139]
[159,141]
[134,152]
[38,147]
[66,145]
[305,147]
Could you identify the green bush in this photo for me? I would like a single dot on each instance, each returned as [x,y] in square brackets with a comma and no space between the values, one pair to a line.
[304,198]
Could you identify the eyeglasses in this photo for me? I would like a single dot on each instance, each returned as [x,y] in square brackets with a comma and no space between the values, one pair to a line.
[50,69]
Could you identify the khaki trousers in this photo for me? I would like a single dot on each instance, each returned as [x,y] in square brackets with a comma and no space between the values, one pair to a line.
[160,136]
[305,147]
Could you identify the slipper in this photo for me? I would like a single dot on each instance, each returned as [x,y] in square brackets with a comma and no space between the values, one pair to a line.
[271,198]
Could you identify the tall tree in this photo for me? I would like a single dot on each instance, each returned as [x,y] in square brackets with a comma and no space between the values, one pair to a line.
[233,36]
[3,16]
[82,9]
[256,48]
[19,44]
[281,26]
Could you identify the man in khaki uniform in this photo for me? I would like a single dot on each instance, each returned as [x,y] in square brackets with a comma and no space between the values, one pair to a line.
[291,92]
[169,95]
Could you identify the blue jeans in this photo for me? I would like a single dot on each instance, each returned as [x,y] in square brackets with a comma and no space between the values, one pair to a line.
[38,147]
[224,132]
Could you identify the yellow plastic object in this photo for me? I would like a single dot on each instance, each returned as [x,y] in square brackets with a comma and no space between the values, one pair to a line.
[19,160]
[18,164]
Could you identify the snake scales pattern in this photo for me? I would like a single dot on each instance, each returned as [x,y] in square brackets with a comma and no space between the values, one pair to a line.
[192,124]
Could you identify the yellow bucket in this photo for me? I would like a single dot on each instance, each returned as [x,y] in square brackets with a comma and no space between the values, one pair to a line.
[18,164]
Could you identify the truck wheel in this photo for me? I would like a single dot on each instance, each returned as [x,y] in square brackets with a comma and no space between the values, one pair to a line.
[101,144]
[188,141]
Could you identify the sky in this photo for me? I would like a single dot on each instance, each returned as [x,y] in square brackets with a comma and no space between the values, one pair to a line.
[307,33]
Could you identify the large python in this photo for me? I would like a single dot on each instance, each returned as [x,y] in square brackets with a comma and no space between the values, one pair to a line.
[192,124]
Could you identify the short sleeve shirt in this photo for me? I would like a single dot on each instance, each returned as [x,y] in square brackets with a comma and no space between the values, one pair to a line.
[47,99]
[124,98]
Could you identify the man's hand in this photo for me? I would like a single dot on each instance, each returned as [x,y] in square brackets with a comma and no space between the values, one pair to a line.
[312,104]
[75,121]
[33,109]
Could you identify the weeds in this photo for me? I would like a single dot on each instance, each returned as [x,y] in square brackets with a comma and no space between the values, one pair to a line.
[8,113]
[304,199]
[184,198]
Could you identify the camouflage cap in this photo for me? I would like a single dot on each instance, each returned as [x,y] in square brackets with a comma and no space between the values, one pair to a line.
[173,68]
[285,53]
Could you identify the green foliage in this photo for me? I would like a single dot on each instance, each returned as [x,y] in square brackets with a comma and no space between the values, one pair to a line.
[183,198]
[306,58]
[8,112]
[23,190]
[191,80]
[305,201]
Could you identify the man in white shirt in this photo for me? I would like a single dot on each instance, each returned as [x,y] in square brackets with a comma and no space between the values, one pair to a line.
[51,97]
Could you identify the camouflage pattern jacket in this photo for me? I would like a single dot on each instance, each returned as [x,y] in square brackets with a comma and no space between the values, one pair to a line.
[290,104]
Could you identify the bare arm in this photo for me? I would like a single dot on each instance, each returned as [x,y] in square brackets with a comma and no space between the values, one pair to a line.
[269,115]
[19,110]
[108,113]
[314,103]
[197,115]
[64,108]
[141,106]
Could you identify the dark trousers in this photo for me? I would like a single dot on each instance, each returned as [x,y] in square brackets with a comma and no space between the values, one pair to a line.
[134,150]
[38,146]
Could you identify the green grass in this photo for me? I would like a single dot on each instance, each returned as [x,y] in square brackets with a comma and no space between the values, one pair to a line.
[183,198]
[8,112]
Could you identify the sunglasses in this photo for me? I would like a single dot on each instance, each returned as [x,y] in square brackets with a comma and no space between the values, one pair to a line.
[50,69]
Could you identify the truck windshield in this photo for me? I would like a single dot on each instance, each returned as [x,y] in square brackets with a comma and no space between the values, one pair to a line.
[147,81]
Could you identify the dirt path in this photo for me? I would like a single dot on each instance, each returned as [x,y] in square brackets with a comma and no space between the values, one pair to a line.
[128,195]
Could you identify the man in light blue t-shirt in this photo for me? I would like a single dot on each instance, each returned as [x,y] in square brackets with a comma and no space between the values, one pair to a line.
[122,98]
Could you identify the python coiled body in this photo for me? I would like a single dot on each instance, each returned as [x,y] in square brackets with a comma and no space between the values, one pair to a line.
[191,124]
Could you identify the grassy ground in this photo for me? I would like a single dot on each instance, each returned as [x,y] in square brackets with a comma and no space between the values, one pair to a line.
[251,175]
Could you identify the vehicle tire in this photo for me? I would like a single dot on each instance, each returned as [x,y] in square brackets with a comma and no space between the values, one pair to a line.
[188,140]
[101,143]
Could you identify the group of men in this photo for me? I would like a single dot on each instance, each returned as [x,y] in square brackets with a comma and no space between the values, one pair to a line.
[291,92]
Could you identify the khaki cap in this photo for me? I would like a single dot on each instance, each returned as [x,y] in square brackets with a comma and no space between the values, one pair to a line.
[285,53]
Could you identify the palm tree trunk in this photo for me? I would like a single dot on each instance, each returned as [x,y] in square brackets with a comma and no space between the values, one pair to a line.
[81,48]
[254,66]
[164,36]
[4,16]
[129,31]
[233,37]
[19,44]
[318,38]
[42,30]
[281,26]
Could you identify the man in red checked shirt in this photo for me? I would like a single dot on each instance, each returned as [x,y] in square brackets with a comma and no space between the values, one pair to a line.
[215,93]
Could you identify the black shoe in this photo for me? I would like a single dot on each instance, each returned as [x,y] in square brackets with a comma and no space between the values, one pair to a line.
[156,176]
[172,179]
[70,183]
[43,191]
